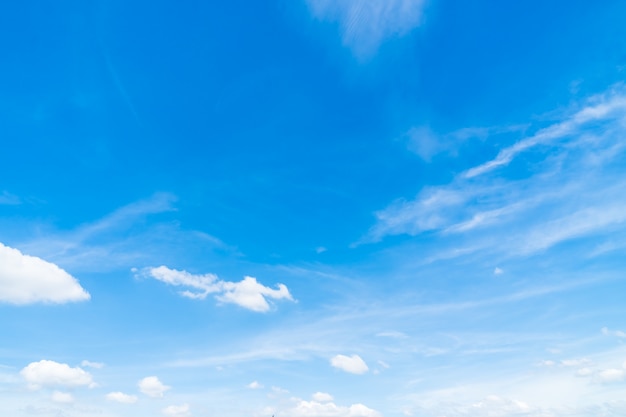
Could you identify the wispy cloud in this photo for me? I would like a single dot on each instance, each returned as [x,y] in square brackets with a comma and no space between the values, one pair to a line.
[365,24]
[535,204]
[248,293]
[9,199]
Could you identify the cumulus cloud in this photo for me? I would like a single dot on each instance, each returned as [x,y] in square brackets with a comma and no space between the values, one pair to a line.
[330,409]
[120,397]
[176,410]
[248,293]
[152,387]
[27,279]
[352,364]
[255,385]
[365,24]
[322,397]
[47,373]
[62,397]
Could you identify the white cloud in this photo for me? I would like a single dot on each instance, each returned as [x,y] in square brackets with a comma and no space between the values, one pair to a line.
[27,279]
[9,199]
[152,387]
[47,373]
[584,372]
[89,364]
[330,409]
[176,410]
[322,397]
[120,397]
[617,333]
[498,271]
[248,293]
[365,24]
[608,376]
[352,364]
[255,385]
[62,397]
[575,362]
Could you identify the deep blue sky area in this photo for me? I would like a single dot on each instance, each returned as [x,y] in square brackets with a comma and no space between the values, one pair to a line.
[356,208]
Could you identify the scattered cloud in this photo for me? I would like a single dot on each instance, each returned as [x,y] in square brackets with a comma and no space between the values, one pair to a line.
[47,373]
[608,376]
[176,410]
[352,364]
[62,397]
[248,293]
[329,409]
[120,397]
[365,24]
[584,372]
[575,362]
[255,385]
[152,387]
[322,397]
[617,333]
[9,199]
[89,364]
[498,271]
[27,279]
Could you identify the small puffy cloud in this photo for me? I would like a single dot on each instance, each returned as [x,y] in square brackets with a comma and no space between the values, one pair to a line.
[152,387]
[547,363]
[255,385]
[27,279]
[500,407]
[330,409]
[53,374]
[498,271]
[120,397]
[88,364]
[365,24]
[248,293]
[352,364]
[584,372]
[322,397]
[608,376]
[62,397]
[617,333]
[176,410]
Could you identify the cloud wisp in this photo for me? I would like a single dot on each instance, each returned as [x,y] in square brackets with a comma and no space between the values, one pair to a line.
[365,24]
[247,293]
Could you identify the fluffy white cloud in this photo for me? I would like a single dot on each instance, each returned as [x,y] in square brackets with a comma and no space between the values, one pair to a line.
[365,24]
[248,293]
[120,397]
[322,397]
[608,376]
[330,409]
[255,385]
[27,279]
[152,387]
[53,374]
[176,410]
[352,364]
[62,397]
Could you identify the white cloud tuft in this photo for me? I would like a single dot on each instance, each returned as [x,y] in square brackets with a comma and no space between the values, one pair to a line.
[27,279]
[322,397]
[608,376]
[176,410]
[120,397]
[152,387]
[53,374]
[248,293]
[498,271]
[365,24]
[330,409]
[255,385]
[352,364]
[62,397]
[89,364]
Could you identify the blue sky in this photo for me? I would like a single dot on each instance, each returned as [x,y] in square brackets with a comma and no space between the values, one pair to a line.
[313,208]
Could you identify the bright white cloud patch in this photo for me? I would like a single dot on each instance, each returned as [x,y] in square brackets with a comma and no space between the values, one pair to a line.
[330,409]
[152,387]
[62,397]
[89,364]
[322,397]
[352,364]
[365,24]
[53,374]
[255,385]
[608,376]
[120,397]
[176,410]
[27,279]
[248,293]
